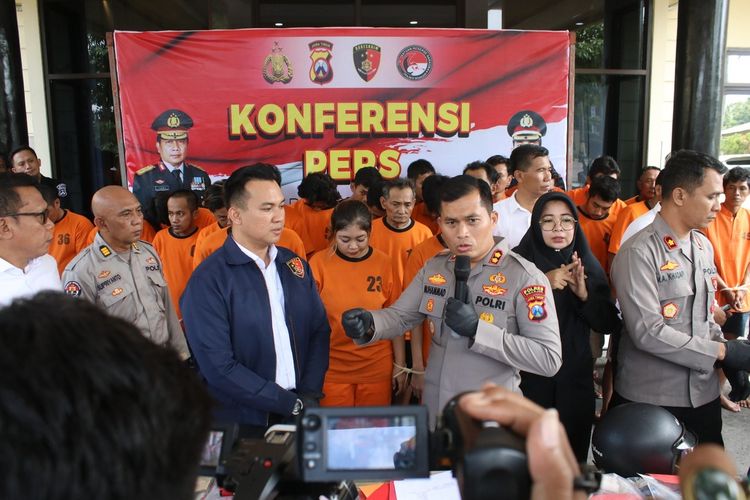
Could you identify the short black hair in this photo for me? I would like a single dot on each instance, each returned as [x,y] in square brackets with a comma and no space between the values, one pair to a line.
[234,188]
[10,200]
[350,212]
[461,185]
[497,160]
[648,168]
[431,192]
[523,155]
[737,174]
[398,183]
[91,408]
[686,169]
[374,194]
[49,193]
[489,171]
[18,149]
[319,188]
[367,177]
[418,168]
[605,187]
[604,165]
[214,196]
[190,196]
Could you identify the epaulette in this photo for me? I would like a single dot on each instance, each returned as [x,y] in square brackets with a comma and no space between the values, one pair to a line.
[145,169]
[196,166]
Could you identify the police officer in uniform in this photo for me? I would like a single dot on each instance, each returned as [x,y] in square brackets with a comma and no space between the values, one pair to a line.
[666,279]
[172,172]
[23,160]
[509,324]
[528,127]
[122,274]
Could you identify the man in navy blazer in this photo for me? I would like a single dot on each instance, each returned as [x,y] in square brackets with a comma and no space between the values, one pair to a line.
[253,318]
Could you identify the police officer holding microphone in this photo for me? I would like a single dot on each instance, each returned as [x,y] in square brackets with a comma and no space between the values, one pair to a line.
[503,321]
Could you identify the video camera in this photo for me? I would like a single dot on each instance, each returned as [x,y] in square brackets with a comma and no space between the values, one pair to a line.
[331,447]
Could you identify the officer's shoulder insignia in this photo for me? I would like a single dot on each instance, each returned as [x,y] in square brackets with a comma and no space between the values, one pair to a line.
[536,302]
[669,266]
[105,251]
[145,169]
[496,256]
[295,265]
[72,288]
[196,167]
[670,242]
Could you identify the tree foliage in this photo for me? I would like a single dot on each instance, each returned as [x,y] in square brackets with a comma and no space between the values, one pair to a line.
[736,114]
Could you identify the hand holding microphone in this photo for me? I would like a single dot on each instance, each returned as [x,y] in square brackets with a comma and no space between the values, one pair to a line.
[460,315]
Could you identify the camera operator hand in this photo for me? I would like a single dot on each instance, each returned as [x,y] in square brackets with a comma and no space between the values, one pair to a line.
[461,317]
[357,324]
[737,356]
[552,463]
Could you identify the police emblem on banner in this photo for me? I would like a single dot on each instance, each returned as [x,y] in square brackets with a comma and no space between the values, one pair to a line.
[295,265]
[366,60]
[276,66]
[321,71]
[414,62]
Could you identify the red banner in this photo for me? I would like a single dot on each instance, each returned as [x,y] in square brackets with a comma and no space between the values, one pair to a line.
[336,100]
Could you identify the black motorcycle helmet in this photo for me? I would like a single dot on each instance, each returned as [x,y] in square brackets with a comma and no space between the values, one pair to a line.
[641,438]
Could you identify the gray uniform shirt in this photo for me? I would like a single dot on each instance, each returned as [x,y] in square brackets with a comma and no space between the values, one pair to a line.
[670,341]
[517,329]
[134,291]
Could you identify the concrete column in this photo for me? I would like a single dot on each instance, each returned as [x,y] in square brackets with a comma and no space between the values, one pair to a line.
[699,74]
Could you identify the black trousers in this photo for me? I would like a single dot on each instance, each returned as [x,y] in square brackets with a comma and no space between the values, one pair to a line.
[704,421]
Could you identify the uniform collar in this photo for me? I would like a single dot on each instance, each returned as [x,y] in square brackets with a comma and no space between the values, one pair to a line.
[669,242]
[103,251]
[494,257]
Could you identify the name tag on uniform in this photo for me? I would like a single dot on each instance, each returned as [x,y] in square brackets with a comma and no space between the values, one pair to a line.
[161,187]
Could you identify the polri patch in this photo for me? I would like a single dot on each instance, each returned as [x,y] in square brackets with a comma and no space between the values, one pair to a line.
[73,288]
[669,310]
[535,301]
[295,265]
[498,278]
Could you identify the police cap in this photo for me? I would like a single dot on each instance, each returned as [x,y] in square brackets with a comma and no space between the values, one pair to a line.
[172,124]
[527,126]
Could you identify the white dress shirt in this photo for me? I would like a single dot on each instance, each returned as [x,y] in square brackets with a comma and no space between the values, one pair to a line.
[285,376]
[639,223]
[512,220]
[40,274]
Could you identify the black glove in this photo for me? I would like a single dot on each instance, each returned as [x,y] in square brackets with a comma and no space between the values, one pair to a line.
[737,356]
[738,379]
[357,323]
[311,399]
[461,317]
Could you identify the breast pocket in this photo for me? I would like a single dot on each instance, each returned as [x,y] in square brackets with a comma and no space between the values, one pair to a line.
[673,297]
[114,299]
[157,283]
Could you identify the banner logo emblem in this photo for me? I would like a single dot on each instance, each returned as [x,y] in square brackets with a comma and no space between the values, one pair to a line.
[321,71]
[276,66]
[366,60]
[414,62]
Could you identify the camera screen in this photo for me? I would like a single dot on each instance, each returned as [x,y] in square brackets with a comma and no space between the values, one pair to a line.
[212,449]
[371,443]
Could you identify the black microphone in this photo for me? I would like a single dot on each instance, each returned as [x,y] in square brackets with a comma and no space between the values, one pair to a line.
[461,271]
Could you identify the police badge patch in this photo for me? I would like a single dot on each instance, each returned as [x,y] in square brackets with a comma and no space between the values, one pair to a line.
[73,288]
[321,71]
[366,60]
[535,298]
[62,190]
[295,265]
[276,66]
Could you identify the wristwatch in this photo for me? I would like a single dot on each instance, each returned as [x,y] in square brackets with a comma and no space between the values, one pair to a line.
[297,407]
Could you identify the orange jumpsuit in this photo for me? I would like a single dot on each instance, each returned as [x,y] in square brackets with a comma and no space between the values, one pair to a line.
[69,237]
[398,243]
[624,218]
[356,376]
[176,254]
[730,237]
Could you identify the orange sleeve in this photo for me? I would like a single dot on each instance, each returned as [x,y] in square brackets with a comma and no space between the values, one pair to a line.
[148,232]
[291,240]
[92,234]
[177,259]
[208,245]
[624,218]
[204,218]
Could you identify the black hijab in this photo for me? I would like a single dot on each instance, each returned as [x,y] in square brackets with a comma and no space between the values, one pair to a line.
[533,248]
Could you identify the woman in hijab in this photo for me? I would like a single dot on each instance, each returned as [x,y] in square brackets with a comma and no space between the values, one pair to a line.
[556,244]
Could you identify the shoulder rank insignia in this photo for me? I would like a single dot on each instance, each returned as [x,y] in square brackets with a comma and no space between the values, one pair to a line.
[295,265]
[145,169]
[669,266]
[496,256]
[670,242]
[105,251]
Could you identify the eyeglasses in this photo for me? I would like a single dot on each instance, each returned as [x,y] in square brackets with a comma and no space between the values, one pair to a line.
[41,215]
[550,223]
